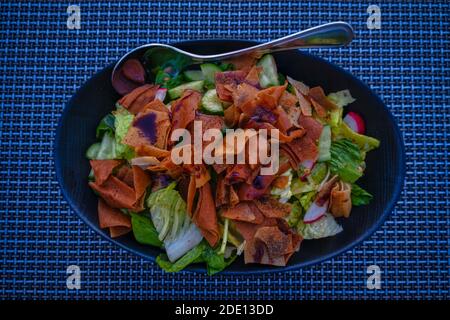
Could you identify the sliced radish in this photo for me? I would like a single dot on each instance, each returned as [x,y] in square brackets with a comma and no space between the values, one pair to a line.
[355,122]
[134,71]
[315,212]
[308,165]
[161,94]
[122,84]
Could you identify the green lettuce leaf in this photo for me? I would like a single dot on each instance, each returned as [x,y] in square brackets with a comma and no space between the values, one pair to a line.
[360,196]
[365,143]
[161,58]
[202,253]
[172,222]
[226,66]
[144,231]
[104,150]
[192,256]
[299,186]
[318,173]
[313,180]
[341,98]
[346,160]
[306,199]
[168,81]
[295,215]
[166,66]
[92,151]
[122,123]
[215,262]
[106,125]
[285,193]
[112,129]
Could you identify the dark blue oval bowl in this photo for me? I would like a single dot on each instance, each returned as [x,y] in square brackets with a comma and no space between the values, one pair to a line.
[383,177]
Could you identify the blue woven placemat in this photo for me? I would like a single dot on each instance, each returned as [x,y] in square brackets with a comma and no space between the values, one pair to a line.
[42,63]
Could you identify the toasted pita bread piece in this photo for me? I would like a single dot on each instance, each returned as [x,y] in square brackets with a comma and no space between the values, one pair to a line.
[244,211]
[136,100]
[103,169]
[205,216]
[117,222]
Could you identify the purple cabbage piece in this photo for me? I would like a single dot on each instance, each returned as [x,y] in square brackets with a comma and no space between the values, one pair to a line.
[160,181]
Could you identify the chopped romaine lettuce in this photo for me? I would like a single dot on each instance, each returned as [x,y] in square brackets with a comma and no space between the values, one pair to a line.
[318,173]
[122,123]
[335,121]
[360,196]
[341,98]
[105,126]
[306,199]
[284,194]
[107,149]
[299,186]
[92,151]
[112,129]
[174,227]
[365,143]
[346,160]
[313,180]
[295,215]
[269,74]
[325,227]
[194,255]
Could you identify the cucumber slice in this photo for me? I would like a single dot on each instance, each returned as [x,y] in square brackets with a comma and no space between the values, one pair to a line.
[211,102]
[325,144]
[209,71]
[194,75]
[93,150]
[269,74]
[178,91]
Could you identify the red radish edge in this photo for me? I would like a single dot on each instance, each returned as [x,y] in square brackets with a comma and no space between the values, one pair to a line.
[309,165]
[315,212]
[355,122]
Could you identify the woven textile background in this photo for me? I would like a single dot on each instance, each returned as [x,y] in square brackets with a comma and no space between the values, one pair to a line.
[42,63]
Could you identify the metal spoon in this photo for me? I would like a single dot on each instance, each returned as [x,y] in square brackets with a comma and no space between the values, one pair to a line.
[334,34]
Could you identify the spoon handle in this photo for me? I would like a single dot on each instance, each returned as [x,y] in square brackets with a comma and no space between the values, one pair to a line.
[328,35]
